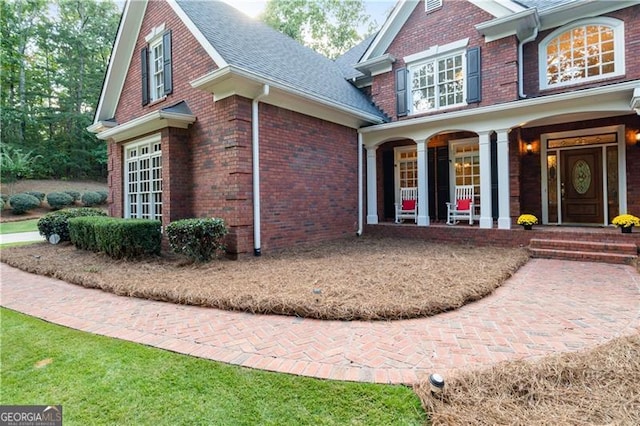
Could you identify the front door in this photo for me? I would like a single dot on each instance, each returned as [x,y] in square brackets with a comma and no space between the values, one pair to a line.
[581,186]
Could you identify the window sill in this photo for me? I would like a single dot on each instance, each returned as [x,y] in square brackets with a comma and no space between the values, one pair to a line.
[157,101]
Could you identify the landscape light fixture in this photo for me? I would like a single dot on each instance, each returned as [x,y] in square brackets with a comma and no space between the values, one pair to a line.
[436,383]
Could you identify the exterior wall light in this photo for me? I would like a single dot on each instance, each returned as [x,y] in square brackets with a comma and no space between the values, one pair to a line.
[637,137]
[530,148]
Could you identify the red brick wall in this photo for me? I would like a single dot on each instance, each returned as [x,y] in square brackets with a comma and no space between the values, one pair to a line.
[453,22]
[308,167]
[309,181]
[631,18]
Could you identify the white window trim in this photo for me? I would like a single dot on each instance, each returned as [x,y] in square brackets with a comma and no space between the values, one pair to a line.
[155,33]
[453,144]
[619,53]
[435,58]
[396,162]
[436,51]
[150,140]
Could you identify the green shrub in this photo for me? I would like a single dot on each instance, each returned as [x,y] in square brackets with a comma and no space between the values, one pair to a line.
[59,200]
[39,195]
[58,222]
[1,204]
[90,198]
[74,194]
[4,197]
[103,196]
[21,203]
[128,238]
[82,232]
[199,239]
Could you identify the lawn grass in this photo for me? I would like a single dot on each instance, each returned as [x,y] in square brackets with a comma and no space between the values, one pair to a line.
[22,243]
[19,226]
[99,380]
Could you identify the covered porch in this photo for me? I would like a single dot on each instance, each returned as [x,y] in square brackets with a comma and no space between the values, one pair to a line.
[544,156]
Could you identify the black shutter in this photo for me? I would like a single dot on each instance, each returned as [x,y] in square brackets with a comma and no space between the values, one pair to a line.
[474,82]
[166,66]
[144,66]
[401,92]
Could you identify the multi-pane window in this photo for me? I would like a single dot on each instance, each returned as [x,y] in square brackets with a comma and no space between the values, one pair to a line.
[407,162]
[583,52]
[157,70]
[143,165]
[438,83]
[467,168]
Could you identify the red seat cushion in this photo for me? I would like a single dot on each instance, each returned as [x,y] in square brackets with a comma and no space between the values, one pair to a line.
[464,204]
[408,204]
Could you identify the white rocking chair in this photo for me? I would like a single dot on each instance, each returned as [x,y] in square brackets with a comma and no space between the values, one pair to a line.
[407,208]
[462,206]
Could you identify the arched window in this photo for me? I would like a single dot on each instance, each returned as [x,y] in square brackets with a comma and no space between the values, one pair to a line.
[584,50]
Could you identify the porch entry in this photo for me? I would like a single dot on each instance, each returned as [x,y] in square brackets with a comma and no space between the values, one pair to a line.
[583,179]
[456,164]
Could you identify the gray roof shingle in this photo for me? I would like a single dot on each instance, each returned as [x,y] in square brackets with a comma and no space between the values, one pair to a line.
[253,46]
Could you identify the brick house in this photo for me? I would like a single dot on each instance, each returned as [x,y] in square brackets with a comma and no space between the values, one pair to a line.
[535,103]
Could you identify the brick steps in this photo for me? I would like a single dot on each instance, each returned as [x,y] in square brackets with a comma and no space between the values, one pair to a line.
[588,251]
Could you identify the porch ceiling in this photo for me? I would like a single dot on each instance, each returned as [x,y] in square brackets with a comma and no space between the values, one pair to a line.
[605,101]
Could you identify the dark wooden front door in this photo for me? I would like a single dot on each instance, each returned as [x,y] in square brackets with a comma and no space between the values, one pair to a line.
[581,186]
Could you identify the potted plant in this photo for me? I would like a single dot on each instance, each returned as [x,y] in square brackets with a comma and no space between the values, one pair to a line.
[626,222]
[527,221]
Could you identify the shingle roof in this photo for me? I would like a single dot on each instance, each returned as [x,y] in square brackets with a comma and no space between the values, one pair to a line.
[352,57]
[253,46]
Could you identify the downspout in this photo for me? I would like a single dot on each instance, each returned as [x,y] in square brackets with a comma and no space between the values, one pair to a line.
[255,145]
[360,186]
[532,37]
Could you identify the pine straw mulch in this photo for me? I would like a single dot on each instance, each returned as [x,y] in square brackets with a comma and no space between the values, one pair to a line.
[362,278]
[595,387]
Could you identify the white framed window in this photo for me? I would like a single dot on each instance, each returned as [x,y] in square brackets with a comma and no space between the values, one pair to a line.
[464,156]
[438,82]
[143,179]
[406,168]
[156,69]
[583,51]
[156,66]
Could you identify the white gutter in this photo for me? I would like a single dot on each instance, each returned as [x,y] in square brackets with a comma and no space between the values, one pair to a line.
[532,37]
[360,186]
[255,144]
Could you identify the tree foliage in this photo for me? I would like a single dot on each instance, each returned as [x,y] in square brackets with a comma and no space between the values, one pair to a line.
[54,57]
[329,27]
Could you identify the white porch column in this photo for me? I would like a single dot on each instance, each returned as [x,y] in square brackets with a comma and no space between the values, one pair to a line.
[486,218]
[423,191]
[504,188]
[372,187]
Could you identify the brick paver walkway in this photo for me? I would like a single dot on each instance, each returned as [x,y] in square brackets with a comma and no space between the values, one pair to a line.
[549,306]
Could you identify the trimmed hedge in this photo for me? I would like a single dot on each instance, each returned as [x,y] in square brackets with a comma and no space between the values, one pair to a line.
[103,196]
[90,199]
[82,233]
[59,200]
[1,203]
[74,194]
[22,203]
[39,195]
[198,239]
[128,238]
[58,222]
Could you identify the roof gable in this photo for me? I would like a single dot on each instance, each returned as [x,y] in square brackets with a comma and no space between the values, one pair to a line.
[238,42]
